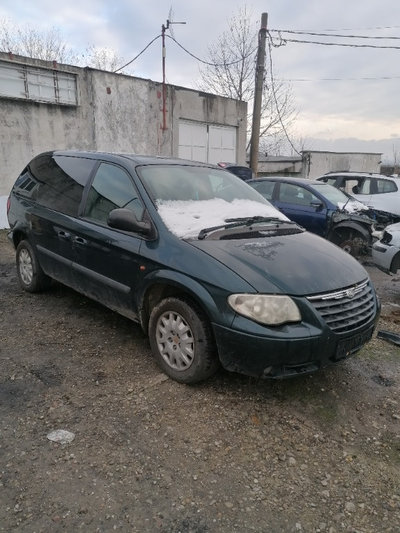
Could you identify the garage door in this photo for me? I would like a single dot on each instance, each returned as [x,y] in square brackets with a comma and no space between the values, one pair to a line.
[207,143]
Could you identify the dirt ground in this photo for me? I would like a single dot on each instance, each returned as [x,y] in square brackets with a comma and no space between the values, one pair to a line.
[314,454]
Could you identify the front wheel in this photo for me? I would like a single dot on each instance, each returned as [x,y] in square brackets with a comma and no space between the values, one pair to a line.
[352,242]
[30,274]
[181,341]
[395,266]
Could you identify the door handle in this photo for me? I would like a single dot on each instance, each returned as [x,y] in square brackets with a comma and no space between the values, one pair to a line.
[64,235]
[80,240]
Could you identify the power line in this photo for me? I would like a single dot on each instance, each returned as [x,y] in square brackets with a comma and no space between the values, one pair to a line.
[300,32]
[275,98]
[189,53]
[340,79]
[139,54]
[210,63]
[358,29]
[283,41]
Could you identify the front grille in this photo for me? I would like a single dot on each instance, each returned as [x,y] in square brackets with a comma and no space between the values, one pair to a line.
[347,309]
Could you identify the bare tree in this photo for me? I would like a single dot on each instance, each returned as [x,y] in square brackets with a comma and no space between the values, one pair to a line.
[102,58]
[48,45]
[232,73]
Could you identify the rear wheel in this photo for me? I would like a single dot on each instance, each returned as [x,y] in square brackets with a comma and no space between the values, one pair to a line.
[30,274]
[181,341]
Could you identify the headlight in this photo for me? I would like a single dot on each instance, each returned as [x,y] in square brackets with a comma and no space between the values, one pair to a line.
[269,309]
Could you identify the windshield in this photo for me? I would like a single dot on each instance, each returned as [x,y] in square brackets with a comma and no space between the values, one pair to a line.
[191,198]
[337,197]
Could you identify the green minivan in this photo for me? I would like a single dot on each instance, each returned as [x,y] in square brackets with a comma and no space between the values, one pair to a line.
[214,274]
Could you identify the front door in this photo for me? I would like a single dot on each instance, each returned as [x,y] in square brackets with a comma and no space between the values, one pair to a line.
[107,263]
[303,207]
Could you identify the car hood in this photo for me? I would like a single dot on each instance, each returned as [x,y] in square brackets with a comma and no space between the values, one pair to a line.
[353,206]
[299,264]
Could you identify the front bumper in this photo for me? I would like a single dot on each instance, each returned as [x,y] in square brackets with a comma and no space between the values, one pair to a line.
[383,254]
[288,351]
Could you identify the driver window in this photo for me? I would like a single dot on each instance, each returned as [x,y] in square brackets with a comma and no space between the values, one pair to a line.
[294,194]
[365,187]
[111,188]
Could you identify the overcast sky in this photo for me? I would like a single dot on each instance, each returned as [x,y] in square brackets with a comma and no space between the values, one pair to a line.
[358,110]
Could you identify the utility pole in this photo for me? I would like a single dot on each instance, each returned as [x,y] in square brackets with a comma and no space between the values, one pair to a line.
[259,83]
[164,88]
[165,27]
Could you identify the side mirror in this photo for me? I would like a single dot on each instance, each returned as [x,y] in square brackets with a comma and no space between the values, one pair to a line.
[125,220]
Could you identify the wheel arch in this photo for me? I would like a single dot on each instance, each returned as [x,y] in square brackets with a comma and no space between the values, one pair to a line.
[351,225]
[163,284]
[395,264]
[18,235]
[353,234]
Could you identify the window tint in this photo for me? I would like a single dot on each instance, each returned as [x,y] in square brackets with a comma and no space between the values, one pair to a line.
[111,188]
[328,192]
[60,181]
[354,186]
[294,194]
[368,186]
[78,168]
[385,186]
[26,185]
[185,183]
[331,181]
[364,187]
[266,188]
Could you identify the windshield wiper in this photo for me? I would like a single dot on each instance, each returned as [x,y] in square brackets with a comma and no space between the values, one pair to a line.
[240,221]
[253,220]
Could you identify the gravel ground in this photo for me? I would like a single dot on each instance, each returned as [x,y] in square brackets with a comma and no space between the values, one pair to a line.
[234,454]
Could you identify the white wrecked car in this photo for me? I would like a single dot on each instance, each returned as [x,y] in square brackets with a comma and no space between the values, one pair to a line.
[386,251]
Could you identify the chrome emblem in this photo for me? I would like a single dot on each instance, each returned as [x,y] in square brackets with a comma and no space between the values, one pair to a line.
[350,293]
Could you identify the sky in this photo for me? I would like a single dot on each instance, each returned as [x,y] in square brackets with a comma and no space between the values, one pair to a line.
[346,98]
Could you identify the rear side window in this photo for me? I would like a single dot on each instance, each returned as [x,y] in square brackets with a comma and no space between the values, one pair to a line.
[385,186]
[60,181]
[111,188]
[266,188]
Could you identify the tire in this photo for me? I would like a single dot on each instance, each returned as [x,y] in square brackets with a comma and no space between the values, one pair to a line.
[395,266]
[30,274]
[351,242]
[181,341]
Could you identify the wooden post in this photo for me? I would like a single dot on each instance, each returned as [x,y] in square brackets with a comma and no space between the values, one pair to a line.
[259,83]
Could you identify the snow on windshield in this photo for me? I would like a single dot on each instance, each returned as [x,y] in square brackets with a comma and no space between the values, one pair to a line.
[185,218]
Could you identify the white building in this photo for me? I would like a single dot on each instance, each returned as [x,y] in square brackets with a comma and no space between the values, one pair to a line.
[46,106]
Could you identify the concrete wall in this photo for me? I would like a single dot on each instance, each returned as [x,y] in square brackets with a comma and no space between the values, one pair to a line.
[115,113]
[276,166]
[316,164]
[313,164]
